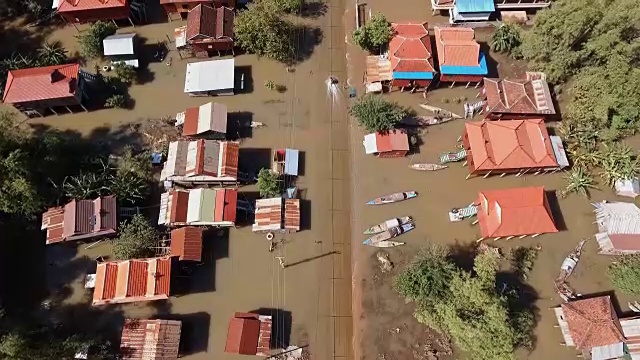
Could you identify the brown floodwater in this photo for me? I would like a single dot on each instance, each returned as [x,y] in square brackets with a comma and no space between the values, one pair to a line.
[243,275]
[386,329]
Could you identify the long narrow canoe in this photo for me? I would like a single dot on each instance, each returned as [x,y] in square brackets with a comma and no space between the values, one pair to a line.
[425,120]
[428,167]
[384,226]
[391,198]
[387,243]
[440,111]
[389,234]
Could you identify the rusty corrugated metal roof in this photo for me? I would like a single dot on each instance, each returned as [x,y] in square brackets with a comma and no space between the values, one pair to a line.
[592,322]
[132,280]
[150,339]
[378,69]
[208,22]
[81,219]
[292,214]
[186,243]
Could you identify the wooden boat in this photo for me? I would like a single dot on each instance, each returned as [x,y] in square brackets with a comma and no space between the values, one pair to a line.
[566,269]
[391,198]
[453,156]
[386,244]
[390,233]
[384,226]
[440,111]
[256,124]
[425,120]
[459,214]
[428,167]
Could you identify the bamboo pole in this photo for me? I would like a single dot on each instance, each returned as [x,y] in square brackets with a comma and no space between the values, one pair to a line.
[475,222]
[498,238]
[535,235]
[479,239]
[522,237]
[509,238]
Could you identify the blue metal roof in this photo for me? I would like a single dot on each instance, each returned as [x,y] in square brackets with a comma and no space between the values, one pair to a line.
[291,162]
[481,69]
[410,75]
[474,6]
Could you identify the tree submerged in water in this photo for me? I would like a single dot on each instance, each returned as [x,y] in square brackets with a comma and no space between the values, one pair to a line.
[374,35]
[136,240]
[466,305]
[268,183]
[376,114]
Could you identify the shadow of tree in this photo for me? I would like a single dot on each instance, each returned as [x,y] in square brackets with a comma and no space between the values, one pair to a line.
[306,39]
[314,9]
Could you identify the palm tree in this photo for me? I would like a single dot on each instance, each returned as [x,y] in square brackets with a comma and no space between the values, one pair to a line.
[506,38]
[578,181]
[584,159]
[619,162]
[52,54]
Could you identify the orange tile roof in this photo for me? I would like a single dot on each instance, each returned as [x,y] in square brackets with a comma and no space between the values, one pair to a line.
[41,83]
[514,212]
[456,46]
[80,5]
[132,280]
[150,339]
[186,243]
[410,48]
[508,145]
[393,140]
[519,96]
[592,322]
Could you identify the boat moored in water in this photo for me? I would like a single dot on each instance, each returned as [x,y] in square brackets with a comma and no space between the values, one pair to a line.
[389,234]
[391,198]
[386,225]
[427,167]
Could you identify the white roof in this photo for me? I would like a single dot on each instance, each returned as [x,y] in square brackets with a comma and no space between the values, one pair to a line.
[558,151]
[180,35]
[369,143]
[631,331]
[607,352]
[202,204]
[617,217]
[209,75]
[629,188]
[164,208]
[119,44]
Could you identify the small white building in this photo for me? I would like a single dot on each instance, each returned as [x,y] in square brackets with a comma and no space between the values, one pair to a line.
[121,48]
[212,77]
[629,188]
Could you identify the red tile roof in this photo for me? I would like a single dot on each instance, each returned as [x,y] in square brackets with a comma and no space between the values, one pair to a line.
[132,280]
[81,219]
[514,212]
[410,48]
[186,243]
[243,334]
[592,322]
[206,22]
[150,339]
[508,145]
[522,96]
[456,46]
[393,140]
[80,5]
[41,83]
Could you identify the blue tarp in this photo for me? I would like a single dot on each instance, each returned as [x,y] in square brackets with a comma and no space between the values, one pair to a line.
[409,75]
[474,6]
[466,70]
[291,162]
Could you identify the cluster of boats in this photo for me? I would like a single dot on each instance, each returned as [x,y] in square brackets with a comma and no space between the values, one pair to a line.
[383,233]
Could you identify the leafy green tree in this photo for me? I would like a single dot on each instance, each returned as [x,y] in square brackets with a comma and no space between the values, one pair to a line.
[262,30]
[522,260]
[426,280]
[506,38]
[116,101]
[376,114]
[126,73]
[131,180]
[136,239]
[289,6]
[374,35]
[268,183]
[91,40]
[618,162]
[52,54]
[624,273]
[578,181]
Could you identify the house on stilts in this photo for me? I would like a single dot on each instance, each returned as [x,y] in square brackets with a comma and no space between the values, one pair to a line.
[512,146]
[511,99]
[507,213]
[459,56]
[592,327]
[410,56]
